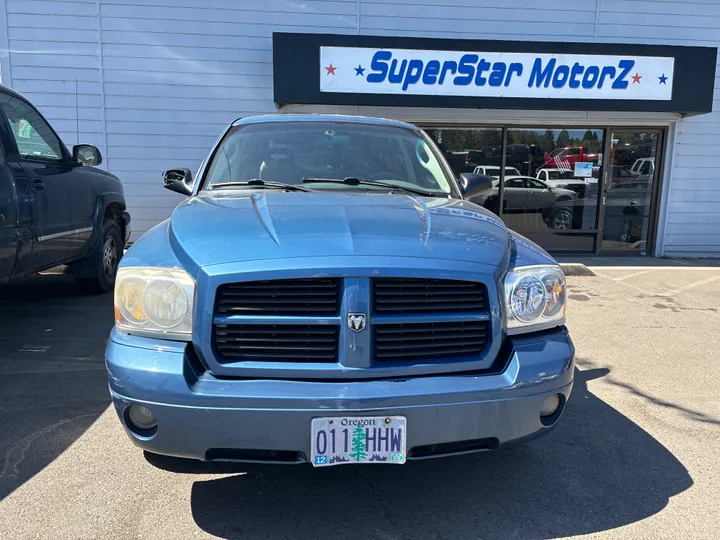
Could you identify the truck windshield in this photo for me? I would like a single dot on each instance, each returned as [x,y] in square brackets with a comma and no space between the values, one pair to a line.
[288,152]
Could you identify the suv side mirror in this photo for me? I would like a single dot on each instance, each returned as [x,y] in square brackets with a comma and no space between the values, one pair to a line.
[178,180]
[87,154]
[474,185]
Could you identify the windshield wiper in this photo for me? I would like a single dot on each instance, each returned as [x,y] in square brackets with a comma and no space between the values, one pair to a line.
[354,181]
[262,183]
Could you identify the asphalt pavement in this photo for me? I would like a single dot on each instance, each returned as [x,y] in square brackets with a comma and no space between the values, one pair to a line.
[636,455]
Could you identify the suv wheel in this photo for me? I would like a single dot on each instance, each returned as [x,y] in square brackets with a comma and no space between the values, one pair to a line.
[105,259]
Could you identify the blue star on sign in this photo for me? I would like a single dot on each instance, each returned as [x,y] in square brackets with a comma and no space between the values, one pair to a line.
[663,79]
[359,70]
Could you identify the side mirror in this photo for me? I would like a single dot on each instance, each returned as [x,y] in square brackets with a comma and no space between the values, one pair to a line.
[87,154]
[474,185]
[178,180]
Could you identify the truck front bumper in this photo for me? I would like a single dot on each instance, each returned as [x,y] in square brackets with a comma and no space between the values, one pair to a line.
[205,418]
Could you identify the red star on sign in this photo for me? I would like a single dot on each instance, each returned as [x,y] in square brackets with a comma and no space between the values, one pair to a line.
[331,69]
[636,78]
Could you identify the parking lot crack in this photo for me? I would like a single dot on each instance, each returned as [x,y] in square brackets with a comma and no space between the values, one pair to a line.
[16,454]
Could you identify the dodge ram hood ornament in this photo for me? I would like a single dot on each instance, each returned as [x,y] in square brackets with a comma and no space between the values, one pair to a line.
[356,321]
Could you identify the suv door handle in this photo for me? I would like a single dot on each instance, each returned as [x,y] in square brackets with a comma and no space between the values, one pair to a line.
[37,183]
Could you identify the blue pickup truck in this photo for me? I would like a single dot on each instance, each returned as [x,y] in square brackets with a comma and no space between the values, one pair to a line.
[55,208]
[327,294]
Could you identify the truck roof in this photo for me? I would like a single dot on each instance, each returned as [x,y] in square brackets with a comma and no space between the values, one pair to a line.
[322,118]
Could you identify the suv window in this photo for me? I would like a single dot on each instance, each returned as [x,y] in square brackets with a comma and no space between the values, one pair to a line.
[645,168]
[33,135]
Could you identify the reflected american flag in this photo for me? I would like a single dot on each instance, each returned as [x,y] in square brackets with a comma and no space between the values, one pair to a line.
[561,162]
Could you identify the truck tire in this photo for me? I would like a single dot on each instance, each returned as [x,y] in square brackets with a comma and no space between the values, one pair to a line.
[105,258]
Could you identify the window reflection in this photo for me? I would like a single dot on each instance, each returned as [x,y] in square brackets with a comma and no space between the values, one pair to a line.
[558,182]
[468,149]
[550,180]
[630,189]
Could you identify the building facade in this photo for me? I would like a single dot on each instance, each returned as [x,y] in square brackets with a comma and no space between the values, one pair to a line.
[153,83]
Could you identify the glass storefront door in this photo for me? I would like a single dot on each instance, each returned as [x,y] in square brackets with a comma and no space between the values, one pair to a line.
[630,190]
[582,189]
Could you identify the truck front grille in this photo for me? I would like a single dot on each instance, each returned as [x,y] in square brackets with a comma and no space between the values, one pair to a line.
[305,322]
[417,295]
[421,341]
[277,342]
[311,297]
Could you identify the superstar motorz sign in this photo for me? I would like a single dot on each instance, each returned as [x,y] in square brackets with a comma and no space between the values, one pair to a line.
[476,74]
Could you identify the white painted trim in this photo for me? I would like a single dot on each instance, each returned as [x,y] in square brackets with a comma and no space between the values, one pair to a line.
[597,21]
[665,193]
[5,46]
[101,76]
[64,233]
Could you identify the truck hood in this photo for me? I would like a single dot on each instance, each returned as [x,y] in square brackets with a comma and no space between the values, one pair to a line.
[223,227]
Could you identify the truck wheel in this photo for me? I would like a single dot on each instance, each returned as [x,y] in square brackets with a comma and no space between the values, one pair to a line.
[105,260]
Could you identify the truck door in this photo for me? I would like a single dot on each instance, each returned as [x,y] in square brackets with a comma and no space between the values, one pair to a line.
[45,165]
[8,220]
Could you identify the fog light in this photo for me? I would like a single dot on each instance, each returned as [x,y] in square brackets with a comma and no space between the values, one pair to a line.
[550,405]
[141,418]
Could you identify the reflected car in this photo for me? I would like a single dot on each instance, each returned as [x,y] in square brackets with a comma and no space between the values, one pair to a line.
[328,294]
[620,175]
[493,171]
[529,195]
[564,179]
[643,167]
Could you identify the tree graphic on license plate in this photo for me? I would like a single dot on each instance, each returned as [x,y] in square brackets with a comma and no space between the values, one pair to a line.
[357,452]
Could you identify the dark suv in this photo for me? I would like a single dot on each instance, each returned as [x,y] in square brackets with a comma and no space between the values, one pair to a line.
[55,208]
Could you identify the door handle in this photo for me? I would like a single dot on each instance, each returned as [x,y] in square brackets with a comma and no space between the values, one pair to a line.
[37,183]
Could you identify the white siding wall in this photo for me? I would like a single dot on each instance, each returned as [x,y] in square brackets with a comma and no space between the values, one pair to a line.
[158,79]
[690,216]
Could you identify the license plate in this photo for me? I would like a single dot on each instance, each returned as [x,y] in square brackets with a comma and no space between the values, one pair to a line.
[358,439]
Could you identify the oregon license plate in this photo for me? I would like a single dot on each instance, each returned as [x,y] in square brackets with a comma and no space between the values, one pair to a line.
[358,439]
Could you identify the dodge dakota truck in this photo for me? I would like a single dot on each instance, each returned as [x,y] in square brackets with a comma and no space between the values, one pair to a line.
[55,208]
[327,294]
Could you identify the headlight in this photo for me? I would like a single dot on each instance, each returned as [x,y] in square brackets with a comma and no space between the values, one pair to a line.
[154,302]
[534,298]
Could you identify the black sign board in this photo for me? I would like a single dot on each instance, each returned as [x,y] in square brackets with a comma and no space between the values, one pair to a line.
[480,74]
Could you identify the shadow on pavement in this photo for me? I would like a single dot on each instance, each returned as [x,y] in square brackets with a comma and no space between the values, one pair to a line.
[52,373]
[597,471]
